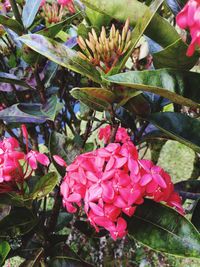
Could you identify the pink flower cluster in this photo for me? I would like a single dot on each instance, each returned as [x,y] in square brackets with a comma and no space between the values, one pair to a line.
[121,135]
[189,18]
[15,165]
[111,181]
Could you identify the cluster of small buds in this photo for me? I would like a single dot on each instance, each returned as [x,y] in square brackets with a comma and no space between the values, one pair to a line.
[53,13]
[15,165]
[104,52]
[113,181]
[189,18]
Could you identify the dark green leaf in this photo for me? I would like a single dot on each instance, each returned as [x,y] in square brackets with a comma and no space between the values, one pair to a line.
[60,54]
[138,105]
[139,29]
[180,87]
[11,24]
[63,220]
[4,250]
[35,259]
[195,216]
[12,79]
[159,29]
[30,10]
[32,113]
[174,56]
[20,221]
[44,185]
[178,126]
[96,98]
[162,228]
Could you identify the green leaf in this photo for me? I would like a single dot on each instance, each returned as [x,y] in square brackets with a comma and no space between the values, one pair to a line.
[35,259]
[96,98]
[63,220]
[164,229]
[11,24]
[54,29]
[4,250]
[174,56]
[61,54]
[195,216]
[44,185]
[19,222]
[137,33]
[12,199]
[159,29]
[12,79]
[138,105]
[180,87]
[32,113]
[97,19]
[178,126]
[30,10]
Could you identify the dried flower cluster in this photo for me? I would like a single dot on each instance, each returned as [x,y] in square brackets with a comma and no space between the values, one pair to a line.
[189,18]
[104,52]
[111,181]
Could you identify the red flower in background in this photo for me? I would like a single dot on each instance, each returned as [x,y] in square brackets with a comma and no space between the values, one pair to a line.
[189,18]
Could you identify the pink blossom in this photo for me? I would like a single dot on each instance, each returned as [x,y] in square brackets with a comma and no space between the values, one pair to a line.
[121,135]
[112,181]
[189,18]
[34,156]
[68,3]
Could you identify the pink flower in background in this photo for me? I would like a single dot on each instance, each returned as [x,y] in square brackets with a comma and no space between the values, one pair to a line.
[112,181]
[189,18]
[15,165]
[121,135]
[68,3]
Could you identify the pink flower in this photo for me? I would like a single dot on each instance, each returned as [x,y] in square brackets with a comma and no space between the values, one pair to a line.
[34,156]
[112,181]
[189,18]
[121,135]
[68,3]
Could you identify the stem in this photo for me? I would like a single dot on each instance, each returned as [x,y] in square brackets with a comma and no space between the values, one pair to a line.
[40,85]
[16,11]
[55,213]
[88,129]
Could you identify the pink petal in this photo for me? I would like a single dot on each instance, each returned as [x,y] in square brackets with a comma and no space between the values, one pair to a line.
[91,176]
[108,174]
[108,193]
[133,165]
[133,197]
[146,178]
[120,162]
[119,202]
[43,159]
[96,209]
[158,178]
[151,187]
[74,198]
[59,161]
[121,225]
[32,162]
[110,164]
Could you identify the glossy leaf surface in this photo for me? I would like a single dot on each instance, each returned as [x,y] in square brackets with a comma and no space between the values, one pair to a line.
[60,54]
[164,229]
[12,79]
[180,87]
[4,250]
[179,127]
[11,24]
[96,98]
[30,10]
[44,185]
[20,221]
